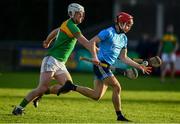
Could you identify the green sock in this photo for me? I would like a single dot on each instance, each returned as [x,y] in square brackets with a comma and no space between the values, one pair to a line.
[23,103]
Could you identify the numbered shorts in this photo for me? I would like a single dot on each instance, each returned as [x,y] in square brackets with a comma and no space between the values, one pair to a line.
[49,63]
[101,73]
[168,57]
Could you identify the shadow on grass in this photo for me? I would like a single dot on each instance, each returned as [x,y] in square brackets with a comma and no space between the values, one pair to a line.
[125,86]
[83,99]
[25,80]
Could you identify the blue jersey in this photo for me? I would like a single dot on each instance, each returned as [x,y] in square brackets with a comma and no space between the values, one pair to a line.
[111,45]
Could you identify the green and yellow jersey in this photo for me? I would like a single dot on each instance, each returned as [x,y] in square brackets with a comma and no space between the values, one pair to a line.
[168,43]
[65,41]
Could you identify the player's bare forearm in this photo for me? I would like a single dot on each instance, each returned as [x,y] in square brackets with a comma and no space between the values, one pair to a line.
[137,60]
[50,38]
[127,60]
[94,49]
[91,46]
[83,41]
[130,62]
[93,41]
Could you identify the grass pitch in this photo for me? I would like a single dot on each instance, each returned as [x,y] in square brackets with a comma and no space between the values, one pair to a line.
[144,100]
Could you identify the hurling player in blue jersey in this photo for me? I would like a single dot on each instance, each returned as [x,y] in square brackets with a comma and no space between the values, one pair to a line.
[112,45]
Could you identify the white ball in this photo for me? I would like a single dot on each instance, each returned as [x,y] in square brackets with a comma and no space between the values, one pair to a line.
[145,63]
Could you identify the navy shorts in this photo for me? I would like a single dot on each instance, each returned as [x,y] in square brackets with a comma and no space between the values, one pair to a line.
[101,73]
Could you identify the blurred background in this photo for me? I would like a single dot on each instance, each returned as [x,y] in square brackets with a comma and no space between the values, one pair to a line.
[26,23]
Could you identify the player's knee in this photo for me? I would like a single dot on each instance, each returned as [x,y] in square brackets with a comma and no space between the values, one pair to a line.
[117,89]
[97,97]
[41,90]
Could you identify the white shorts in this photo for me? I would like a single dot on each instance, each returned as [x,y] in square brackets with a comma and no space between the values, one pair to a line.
[49,63]
[168,57]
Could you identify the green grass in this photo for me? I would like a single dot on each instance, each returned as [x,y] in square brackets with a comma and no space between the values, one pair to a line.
[143,100]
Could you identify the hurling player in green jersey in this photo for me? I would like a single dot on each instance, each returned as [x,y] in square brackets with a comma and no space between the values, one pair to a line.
[112,43]
[168,47]
[53,65]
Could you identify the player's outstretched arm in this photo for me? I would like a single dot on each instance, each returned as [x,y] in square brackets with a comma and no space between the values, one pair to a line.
[130,62]
[50,38]
[90,45]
